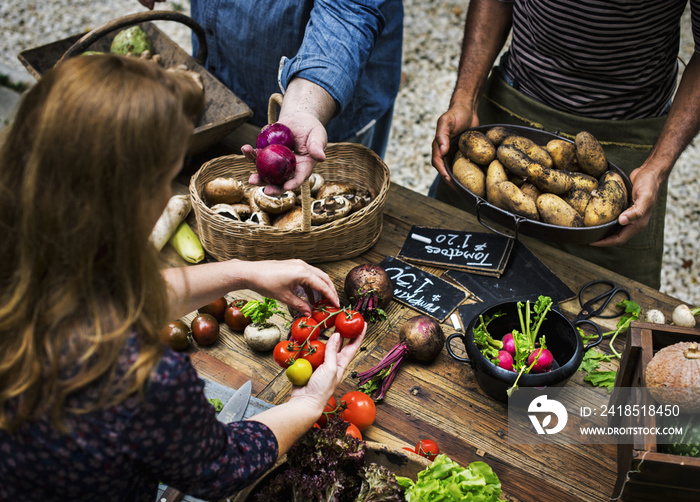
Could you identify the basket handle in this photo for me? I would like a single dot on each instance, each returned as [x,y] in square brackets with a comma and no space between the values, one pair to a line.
[139,17]
[275,101]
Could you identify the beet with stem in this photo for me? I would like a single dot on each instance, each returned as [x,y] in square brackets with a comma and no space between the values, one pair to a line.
[369,289]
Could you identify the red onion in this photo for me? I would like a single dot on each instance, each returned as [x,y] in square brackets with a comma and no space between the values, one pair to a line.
[276,164]
[420,337]
[275,134]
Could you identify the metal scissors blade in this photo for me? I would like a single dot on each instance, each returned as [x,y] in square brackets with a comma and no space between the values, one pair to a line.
[595,306]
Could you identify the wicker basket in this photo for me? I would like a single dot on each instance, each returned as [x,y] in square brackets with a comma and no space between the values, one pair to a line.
[347,237]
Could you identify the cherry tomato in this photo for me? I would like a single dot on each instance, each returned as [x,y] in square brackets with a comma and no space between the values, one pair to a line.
[304,328]
[359,409]
[322,313]
[315,353]
[329,409]
[299,372]
[408,449]
[176,335]
[205,329]
[354,431]
[427,448]
[215,308]
[350,324]
[234,318]
[286,352]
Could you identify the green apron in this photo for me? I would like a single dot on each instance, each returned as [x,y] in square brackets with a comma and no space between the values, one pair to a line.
[627,144]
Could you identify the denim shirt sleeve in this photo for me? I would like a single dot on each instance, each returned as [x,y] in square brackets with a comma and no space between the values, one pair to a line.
[338,42]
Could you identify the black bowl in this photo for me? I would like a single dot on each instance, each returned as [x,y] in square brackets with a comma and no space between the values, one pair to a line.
[562,338]
[519,224]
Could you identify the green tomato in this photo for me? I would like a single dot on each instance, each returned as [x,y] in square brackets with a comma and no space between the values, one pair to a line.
[299,372]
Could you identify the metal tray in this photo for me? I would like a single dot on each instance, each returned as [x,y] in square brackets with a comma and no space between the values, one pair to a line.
[223,110]
[519,224]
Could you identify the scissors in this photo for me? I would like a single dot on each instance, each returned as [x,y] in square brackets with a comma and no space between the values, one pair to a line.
[595,306]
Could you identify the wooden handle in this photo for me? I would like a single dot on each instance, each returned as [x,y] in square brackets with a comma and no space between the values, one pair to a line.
[140,17]
[171,495]
[275,101]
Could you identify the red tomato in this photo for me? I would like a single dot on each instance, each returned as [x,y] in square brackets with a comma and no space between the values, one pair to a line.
[354,431]
[285,353]
[408,449]
[233,316]
[322,313]
[329,409]
[215,308]
[427,448]
[359,409]
[315,353]
[304,328]
[205,329]
[350,324]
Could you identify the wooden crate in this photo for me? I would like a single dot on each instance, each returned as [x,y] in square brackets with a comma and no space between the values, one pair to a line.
[644,474]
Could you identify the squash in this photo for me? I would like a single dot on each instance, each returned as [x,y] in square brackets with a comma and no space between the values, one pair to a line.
[673,376]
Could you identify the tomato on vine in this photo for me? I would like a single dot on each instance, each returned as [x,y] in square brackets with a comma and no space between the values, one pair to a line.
[427,448]
[358,409]
[331,408]
[314,351]
[286,352]
[349,324]
[323,312]
[305,328]
[354,431]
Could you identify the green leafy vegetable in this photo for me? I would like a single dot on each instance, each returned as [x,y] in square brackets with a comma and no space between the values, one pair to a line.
[632,313]
[446,480]
[598,378]
[217,404]
[260,311]
[483,340]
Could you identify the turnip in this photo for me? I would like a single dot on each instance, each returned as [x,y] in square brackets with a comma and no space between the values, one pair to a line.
[540,360]
[655,316]
[684,317]
[369,289]
[261,335]
[505,360]
[509,344]
[421,338]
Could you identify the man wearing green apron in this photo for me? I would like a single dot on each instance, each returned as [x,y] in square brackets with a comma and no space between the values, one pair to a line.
[610,70]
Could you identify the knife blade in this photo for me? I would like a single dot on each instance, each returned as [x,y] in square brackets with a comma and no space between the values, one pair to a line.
[233,411]
[235,407]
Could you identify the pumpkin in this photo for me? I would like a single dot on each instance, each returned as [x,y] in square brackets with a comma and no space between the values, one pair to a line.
[673,376]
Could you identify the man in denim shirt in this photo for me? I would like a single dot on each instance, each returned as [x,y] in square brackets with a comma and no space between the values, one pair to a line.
[338,63]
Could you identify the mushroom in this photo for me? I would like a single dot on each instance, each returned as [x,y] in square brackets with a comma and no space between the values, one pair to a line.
[223,191]
[335,188]
[361,198]
[229,211]
[290,220]
[259,218]
[329,209]
[316,181]
[274,204]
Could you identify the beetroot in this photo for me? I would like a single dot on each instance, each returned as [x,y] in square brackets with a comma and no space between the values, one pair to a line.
[421,338]
[369,289]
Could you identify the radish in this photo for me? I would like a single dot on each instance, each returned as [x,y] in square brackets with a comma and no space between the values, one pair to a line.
[505,360]
[509,344]
[540,360]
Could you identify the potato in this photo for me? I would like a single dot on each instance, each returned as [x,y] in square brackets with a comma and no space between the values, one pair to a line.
[470,176]
[584,181]
[563,155]
[514,159]
[555,211]
[578,199]
[520,142]
[498,134]
[475,146]
[549,180]
[495,175]
[615,176]
[530,190]
[515,201]
[606,204]
[516,180]
[540,155]
[590,154]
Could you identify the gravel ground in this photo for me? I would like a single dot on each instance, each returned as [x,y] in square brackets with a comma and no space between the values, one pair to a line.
[432,40]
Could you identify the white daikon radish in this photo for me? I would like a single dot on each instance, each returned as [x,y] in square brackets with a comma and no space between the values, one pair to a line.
[175,212]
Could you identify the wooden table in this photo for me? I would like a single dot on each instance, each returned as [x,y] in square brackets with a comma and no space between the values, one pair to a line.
[442,400]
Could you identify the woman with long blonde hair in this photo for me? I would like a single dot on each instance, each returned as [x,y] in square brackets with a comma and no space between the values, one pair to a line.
[92,405]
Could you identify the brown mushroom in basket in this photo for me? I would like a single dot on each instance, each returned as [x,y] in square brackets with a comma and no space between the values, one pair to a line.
[329,209]
[259,218]
[238,212]
[274,204]
[290,220]
[361,198]
[335,188]
[316,181]
[223,191]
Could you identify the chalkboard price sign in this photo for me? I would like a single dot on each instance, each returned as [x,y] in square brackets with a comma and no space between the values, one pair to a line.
[474,252]
[421,290]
